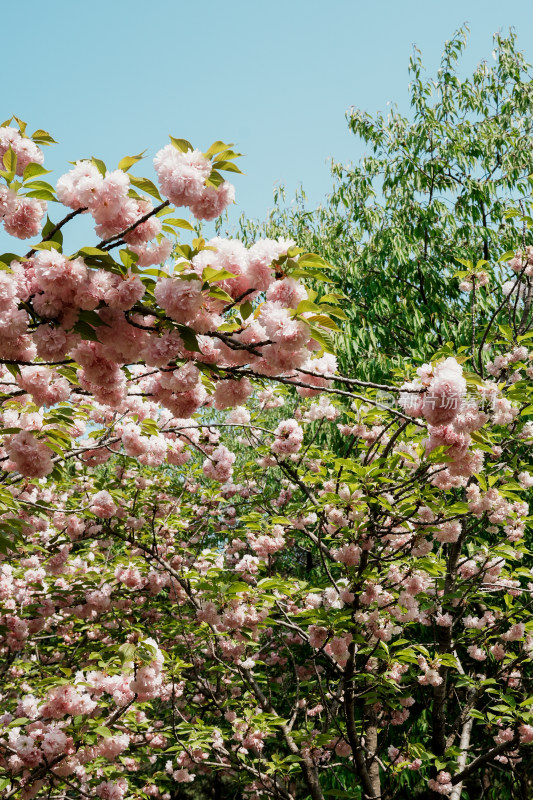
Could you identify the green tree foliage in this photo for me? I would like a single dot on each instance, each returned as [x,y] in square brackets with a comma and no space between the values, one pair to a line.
[435,186]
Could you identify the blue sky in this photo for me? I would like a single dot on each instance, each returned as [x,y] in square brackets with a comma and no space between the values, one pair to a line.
[113,77]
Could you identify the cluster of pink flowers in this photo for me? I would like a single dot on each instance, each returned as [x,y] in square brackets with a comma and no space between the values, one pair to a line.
[523,261]
[41,741]
[24,148]
[289,437]
[107,199]
[219,466]
[337,648]
[67,700]
[28,455]
[112,790]
[443,784]
[430,673]
[62,287]
[499,510]
[148,681]
[437,394]
[182,177]
[318,636]
[477,279]
[22,216]
[348,554]
[504,361]
[103,505]
[229,394]
[265,545]
[45,386]
[60,290]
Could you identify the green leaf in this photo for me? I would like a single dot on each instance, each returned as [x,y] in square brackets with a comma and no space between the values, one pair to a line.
[128,161]
[42,137]
[229,155]
[33,170]
[482,482]
[93,251]
[220,294]
[323,321]
[103,731]
[448,660]
[312,260]
[94,257]
[48,228]
[14,369]
[49,245]
[331,298]
[22,125]
[181,144]
[149,427]
[16,723]
[7,258]
[40,185]
[92,318]
[333,311]
[227,166]
[307,305]
[10,160]
[128,258]
[215,180]
[212,275]
[472,377]
[145,185]
[308,273]
[184,250]
[246,309]
[216,147]
[438,455]
[324,339]
[179,223]
[507,256]
[42,194]
[100,166]
[189,339]
[506,331]
[86,331]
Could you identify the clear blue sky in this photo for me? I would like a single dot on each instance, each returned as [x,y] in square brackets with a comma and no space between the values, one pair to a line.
[112,77]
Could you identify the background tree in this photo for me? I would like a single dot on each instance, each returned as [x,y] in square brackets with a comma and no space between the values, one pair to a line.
[434,187]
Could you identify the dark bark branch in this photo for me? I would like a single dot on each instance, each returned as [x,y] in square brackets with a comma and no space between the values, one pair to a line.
[482,759]
[56,228]
[108,244]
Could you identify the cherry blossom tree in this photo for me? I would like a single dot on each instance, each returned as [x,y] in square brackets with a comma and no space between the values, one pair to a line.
[198,597]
